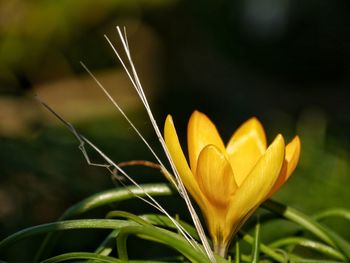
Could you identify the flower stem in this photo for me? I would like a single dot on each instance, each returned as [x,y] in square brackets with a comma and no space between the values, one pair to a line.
[220,249]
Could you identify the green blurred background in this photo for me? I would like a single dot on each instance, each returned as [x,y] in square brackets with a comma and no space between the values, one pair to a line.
[287,62]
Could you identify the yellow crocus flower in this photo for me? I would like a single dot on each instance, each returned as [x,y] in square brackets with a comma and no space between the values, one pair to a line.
[229,183]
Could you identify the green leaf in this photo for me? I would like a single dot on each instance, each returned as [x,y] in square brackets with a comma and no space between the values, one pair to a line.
[116,195]
[335,212]
[322,232]
[101,199]
[163,221]
[127,215]
[304,242]
[256,244]
[126,228]
[195,254]
[263,248]
[237,251]
[65,225]
[91,256]
[106,247]
[82,255]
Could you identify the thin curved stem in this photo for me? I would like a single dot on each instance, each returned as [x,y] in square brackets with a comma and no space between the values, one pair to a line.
[263,248]
[65,225]
[322,232]
[256,244]
[304,242]
[91,256]
[101,199]
[165,237]
[82,255]
[335,212]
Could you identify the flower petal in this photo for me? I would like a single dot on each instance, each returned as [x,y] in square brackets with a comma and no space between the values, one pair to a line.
[245,148]
[292,155]
[200,133]
[258,183]
[172,142]
[290,163]
[215,177]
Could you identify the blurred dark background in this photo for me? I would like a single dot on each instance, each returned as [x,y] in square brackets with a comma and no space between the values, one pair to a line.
[286,62]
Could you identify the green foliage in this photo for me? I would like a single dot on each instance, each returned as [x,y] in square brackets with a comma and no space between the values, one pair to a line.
[325,244]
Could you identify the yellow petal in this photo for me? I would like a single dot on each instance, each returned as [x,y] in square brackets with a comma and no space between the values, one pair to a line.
[200,133]
[290,163]
[292,155]
[245,148]
[179,160]
[215,177]
[258,183]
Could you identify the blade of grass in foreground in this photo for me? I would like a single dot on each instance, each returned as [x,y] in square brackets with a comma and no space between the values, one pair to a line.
[161,236]
[82,255]
[335,212]
[322,232]
[101,199]
[93,257]
[113,196]
[268,251]
[126,228]
[237,251]
[158,220]
[256,244]
[106,247]
[64,225]
[304,242]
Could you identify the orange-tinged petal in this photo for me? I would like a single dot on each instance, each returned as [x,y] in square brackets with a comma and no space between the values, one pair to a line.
[215,177]
[290,163]
[258,183]
[200,133]
[245,148]
[292,155]
[180,162]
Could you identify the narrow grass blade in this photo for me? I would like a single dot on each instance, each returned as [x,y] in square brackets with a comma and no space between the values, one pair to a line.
[93,257]
[163,221]
[126,228]
[164,237]
[115,195]
[101,199]
[304,242]
[256,244]
[237,251]
[336,212]
[65,225]
[106,247]
[82,256]
[268,251]
[322,232]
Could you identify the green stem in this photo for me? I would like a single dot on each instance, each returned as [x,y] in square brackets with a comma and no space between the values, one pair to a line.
[321,231]
[164,221]
[127,215]
[335,212]
[324,249]
[65,225]
[263,248]
[237,254]
[106,247]
[192,251]
[162,236]
[115,195]
[101,199]
[220,249]
[91,256]
[256,244]
[82,255]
